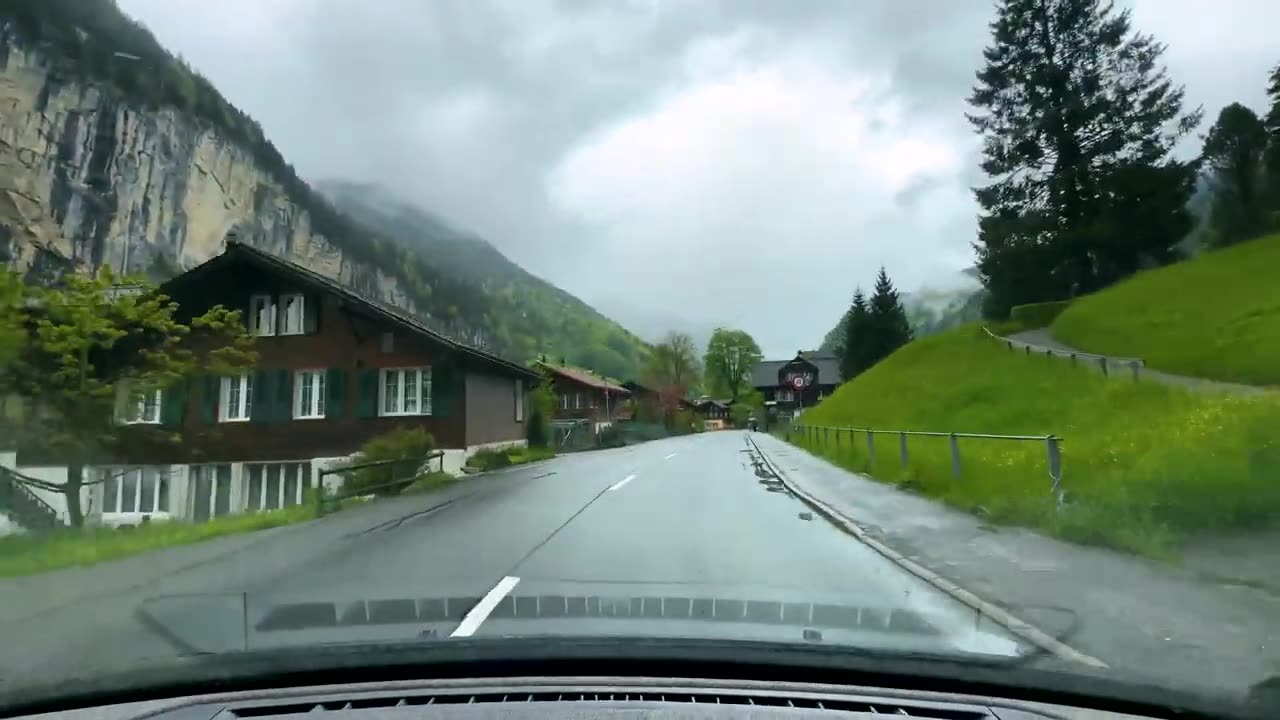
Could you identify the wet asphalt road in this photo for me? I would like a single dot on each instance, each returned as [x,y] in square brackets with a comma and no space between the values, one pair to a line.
[578,544]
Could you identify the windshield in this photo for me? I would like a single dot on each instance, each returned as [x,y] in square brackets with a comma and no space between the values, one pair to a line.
[939,331]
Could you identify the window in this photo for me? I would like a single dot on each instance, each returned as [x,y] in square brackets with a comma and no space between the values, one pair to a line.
[135,489]
[564,401]
[786,395]
[142,408]
[519,400]
[308,394]
[262,315]
[271,486]
[237,398]
[291,312]
[405,391]
[577,401]
[210,488]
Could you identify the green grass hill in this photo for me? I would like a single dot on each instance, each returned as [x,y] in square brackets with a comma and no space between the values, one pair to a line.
[1145,465]
[1216,316]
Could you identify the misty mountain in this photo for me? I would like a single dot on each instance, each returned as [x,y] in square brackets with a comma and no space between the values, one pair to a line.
[527,316]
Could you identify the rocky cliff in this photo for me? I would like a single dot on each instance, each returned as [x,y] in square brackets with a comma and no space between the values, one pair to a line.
[87,180]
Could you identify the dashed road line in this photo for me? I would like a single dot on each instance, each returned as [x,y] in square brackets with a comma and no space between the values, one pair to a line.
[472,621]
[669,456]
[622,482]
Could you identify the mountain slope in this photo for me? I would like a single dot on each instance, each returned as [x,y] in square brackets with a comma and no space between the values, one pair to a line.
[524,316]
[143,166]
[1215,316]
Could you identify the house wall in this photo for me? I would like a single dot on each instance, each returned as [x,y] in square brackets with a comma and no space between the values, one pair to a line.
[598,415]
[491,409]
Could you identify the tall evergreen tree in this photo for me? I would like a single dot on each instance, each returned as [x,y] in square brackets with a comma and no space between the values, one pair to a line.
[887,328]
[1272,124]
[1078,122]
[1233,153]
[853,351]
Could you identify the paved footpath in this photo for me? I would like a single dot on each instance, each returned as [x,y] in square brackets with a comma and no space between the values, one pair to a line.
[1152,621]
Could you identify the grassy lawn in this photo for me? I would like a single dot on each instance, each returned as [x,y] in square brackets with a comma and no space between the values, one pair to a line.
[1216,316]
[28,554]
[1145,465]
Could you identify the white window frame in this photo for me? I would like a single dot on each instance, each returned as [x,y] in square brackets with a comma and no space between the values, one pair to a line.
[134,411]
[300,316]
[259,325]
[215,480]
[244,399]
[115,485]
[519,399]
[423,406]
[314,404]
[247,475]
[564,401]
[577,400]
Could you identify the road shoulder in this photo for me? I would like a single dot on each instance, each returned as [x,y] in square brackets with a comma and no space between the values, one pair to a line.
[1138,616]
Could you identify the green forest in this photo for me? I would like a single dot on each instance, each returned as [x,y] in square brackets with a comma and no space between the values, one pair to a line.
[508,311]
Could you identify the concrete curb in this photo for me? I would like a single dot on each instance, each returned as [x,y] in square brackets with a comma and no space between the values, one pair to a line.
[1018,627]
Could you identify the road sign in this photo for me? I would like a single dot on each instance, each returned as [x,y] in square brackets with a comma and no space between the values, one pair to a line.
[798,382]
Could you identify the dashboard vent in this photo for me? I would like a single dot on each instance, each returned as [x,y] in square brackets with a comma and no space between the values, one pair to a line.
[848,705]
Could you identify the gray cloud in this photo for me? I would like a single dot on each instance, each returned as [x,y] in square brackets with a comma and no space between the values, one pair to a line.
[726,161]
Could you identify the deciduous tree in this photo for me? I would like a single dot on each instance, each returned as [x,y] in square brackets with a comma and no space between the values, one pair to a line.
[94,346]
[1233,154]
[730,356]
[672,371]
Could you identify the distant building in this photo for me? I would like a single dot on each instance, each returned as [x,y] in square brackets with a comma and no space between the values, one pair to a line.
[819,374]
[583,395]
[715,413]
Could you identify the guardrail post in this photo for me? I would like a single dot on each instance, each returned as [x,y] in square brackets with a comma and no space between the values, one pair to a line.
[1103,362]
[1010,344]
[871,449]
[1055,466]
[1073,358]
[1134,365]
[902,448]
[955,456]
[1027,348]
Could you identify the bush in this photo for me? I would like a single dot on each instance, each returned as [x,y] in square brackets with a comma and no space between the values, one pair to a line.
[542,407]
[411,445]
[490,459]
[1037,315]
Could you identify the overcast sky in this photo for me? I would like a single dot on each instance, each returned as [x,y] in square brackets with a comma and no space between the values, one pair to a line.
[736,162]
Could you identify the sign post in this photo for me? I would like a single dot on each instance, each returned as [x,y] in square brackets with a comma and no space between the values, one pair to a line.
[798,382]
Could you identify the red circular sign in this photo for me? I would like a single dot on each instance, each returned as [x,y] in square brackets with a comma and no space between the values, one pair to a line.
[798,382]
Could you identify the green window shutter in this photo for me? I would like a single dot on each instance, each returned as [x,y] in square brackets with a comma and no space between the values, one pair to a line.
[173,403]
[335,392]
[209,399]
[367,394]
[445,381]
[311,314]
[260,411]
[284,396]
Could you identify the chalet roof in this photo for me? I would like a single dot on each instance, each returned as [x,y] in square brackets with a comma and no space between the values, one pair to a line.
[583,377]
[237,252]
[765,373]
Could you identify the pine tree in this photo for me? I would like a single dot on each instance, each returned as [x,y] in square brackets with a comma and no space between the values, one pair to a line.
[853,352]
[1272,124]
[1078,122]
[1233,153]
[887,325]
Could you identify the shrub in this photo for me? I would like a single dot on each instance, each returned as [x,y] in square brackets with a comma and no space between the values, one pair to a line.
[542,407]
[1037,315]
[410,445]
[490,459]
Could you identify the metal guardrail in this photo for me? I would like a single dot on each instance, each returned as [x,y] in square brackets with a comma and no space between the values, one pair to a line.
[325,501]
[827,433]
[1105,363]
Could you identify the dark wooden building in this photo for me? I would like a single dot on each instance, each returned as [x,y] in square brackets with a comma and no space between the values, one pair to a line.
[582,395]
[334,370]
[818,375]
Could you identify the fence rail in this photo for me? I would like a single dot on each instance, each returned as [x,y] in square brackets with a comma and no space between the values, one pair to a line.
[831,434]
[325,502]
[1105,363]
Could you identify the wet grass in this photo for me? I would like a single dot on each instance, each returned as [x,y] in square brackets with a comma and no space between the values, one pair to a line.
[30,554]
[1216,316]
[494,459]
[1145,465]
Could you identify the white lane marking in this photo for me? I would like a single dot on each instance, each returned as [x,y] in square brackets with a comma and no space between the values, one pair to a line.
[622,482]
[472,621]
[669,456]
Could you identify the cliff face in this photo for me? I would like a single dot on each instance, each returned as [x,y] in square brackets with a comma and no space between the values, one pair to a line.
[87,181]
